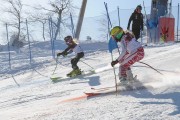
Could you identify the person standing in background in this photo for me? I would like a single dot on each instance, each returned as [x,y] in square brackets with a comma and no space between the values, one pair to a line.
[137,22]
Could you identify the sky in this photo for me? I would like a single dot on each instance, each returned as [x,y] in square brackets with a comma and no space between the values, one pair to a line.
[96,8]
[27,92]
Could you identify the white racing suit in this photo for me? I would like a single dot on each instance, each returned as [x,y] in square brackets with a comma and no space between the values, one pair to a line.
[79,54]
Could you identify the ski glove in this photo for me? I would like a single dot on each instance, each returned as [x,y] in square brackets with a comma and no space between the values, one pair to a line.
[64,54]
[59,54]
[114,63]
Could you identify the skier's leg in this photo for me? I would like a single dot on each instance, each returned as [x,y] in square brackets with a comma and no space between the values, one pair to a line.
[136,33]
[129,73]
[75,60]
[122,75]
[130,60]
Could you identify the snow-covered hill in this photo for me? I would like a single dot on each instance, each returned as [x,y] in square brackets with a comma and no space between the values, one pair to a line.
[38,98]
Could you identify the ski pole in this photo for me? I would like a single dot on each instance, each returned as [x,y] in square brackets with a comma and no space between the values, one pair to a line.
[151,67]
[56,65]
[87,64]
[109,23]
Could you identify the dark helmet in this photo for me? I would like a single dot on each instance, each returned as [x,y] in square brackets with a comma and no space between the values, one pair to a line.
[139,7]
[68,38]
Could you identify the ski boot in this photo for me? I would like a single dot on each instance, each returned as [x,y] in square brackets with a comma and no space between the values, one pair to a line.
[123,81]
[130,77]
[74,73]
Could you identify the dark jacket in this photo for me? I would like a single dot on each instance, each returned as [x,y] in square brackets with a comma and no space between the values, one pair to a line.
[137,19]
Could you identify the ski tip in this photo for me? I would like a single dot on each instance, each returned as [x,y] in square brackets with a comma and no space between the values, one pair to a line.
[54,78]
[93,71]
[89,94]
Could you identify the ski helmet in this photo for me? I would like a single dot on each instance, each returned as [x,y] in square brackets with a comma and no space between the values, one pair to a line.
[139,7]
[68,38]
[117,33]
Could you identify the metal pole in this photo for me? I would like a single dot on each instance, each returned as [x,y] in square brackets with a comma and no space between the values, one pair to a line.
[109,23]
[72,26]
[29,43]
[50,33]
[178,24]
[118,15]
[8,47]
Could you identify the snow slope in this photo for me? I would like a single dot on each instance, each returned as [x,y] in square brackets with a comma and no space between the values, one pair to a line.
[38,98]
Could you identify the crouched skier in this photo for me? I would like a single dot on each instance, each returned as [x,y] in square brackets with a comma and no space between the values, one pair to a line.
[76,48]
[132,51]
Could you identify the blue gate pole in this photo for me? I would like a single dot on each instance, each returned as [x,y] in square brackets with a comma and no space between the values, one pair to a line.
[30,56]
[8,47]
[72,26]
[50,33]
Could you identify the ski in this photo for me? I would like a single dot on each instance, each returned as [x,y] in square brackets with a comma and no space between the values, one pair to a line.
[63,78]
[108,87]
[108,90]
[112,89]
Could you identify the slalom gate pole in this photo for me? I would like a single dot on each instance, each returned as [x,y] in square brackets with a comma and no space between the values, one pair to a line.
[151,67]
[109,23]
[10,56]
[72,26]
[147,21]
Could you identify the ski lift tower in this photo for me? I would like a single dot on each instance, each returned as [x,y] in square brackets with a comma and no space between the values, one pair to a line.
[161,22]
[80,19]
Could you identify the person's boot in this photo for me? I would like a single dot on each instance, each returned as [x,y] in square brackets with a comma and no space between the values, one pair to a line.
[123,81]
[69,74]
[74,73]
[130,77]
[77,71]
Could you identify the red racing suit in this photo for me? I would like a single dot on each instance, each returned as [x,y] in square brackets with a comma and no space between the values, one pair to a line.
[132,51]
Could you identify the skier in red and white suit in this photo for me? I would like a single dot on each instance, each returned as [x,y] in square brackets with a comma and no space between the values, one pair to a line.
[132,51]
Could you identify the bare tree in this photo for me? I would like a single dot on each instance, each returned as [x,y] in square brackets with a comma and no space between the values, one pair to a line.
[39,17]
[103,26]
[14,11]
[60,9]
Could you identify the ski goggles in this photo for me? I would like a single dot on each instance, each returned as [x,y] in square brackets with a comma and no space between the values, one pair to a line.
[118,36]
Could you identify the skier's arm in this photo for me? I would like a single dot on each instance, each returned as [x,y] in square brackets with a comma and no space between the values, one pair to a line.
[142,22]
[123,52]
[65,52]
[130,19]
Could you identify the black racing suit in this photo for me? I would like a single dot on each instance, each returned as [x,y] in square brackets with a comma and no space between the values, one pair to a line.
[137,25]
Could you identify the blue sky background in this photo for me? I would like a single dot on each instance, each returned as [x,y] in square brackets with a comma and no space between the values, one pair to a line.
[96,7]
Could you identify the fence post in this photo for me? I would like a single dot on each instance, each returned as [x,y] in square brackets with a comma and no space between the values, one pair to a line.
[72,26]
[178,24]
[51,35]
[8,47]
[30,57]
